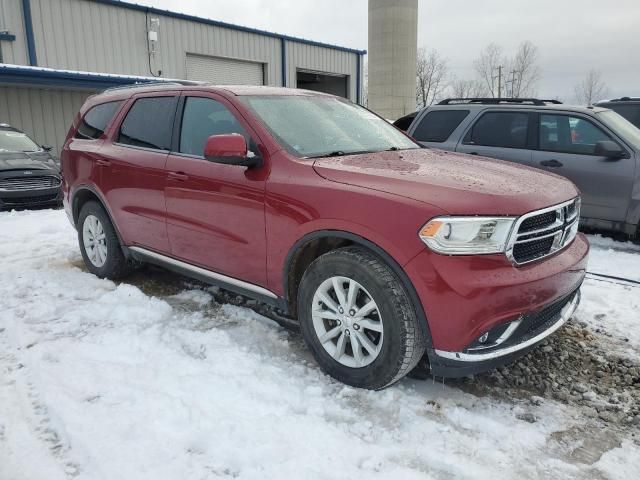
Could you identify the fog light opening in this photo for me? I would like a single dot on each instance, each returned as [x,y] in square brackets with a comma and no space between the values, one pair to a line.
[484,337]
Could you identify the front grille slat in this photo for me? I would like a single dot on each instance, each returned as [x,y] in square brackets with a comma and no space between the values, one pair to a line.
[14,184]
[543,233]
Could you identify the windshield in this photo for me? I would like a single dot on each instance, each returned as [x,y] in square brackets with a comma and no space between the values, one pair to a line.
[12,141]
[312,127]
[621,126]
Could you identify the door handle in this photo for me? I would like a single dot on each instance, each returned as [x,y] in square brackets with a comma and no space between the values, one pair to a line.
[180,176]
[551,163]
[103,163]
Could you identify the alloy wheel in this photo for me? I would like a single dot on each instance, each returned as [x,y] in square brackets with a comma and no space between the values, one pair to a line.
[94,241]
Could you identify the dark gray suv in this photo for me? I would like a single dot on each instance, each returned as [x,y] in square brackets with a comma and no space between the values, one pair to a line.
[594,147]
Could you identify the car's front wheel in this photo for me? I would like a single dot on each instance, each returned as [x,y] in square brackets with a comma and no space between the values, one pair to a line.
[357,319]
[99,243]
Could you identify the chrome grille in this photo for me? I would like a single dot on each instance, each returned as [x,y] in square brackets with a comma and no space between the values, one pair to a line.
[544,232]
[15,184]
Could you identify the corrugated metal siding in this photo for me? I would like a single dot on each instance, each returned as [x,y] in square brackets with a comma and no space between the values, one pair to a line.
[88,36]
[308,57]
[45,115]
[11,19]
[224,71]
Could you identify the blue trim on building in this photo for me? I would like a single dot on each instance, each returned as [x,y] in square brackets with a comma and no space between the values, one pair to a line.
[14,74]
[8,37]
[283,58]
[216,23]
[28,29]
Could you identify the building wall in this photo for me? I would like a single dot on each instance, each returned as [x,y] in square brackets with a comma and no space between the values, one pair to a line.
[44,114]
[11,20]
[393,43]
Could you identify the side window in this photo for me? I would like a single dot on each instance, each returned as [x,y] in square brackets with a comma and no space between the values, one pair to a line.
[149,123]
[438,125]
[203,117]
[95,121]
[500,129]
[566,134]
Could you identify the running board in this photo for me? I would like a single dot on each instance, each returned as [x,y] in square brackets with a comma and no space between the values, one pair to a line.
[207,276]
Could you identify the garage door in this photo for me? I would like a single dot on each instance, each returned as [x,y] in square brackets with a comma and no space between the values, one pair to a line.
[224,71]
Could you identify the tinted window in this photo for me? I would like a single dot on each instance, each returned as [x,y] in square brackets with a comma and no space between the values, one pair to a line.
[96,120]
[500,129]
[630,112]
[202,118]
[403,123]
[438,125]
[149,123]
[563,133]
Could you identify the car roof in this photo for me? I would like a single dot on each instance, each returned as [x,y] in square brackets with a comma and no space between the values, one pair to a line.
[620,101]
[519,106]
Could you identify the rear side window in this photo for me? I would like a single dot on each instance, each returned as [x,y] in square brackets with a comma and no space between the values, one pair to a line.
[437,126]
[95,121]
[149,123]
[500,129]
[630,112]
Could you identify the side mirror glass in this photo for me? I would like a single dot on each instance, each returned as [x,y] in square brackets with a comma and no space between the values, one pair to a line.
[230,149]
[609,149]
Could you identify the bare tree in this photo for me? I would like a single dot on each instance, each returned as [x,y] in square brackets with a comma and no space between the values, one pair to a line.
[468,89]
[431,73]
[523,73]
[592,88]
[491,57]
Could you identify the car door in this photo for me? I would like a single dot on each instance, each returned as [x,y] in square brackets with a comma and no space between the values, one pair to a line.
[134,176]
[567,147]
[500,134]
[215,212]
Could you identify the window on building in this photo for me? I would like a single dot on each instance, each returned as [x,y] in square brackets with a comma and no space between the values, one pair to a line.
[566,134]
[500,129]
[202,118]
[149,123]
[95,121]
[438,125]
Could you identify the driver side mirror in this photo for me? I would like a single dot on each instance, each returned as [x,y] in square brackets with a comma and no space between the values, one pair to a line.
[609,149]
[230,149]
[47,148]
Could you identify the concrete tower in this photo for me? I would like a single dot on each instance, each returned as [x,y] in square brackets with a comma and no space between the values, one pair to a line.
[393,44]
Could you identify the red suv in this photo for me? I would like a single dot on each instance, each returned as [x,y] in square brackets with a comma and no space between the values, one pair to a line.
[383,251]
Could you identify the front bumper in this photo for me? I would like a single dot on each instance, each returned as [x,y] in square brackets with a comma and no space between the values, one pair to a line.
[464,297]
[30,198]
[457,364]
[29,188]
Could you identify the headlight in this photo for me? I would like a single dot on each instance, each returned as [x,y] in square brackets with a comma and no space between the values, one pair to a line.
[467,235]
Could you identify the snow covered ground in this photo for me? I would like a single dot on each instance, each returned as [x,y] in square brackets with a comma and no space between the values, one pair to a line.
[152,379]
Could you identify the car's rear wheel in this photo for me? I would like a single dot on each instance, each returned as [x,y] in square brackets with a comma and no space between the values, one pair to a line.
[357,319]
[99,243]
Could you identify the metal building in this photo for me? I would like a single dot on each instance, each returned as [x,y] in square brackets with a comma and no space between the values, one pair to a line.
[393,45]
[54,53]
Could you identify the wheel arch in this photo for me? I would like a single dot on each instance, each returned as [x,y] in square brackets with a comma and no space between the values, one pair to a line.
[87,193]
[319,242]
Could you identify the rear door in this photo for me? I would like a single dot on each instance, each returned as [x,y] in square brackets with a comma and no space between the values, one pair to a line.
[566,146]
[500,134]
[134,175]
[215,212]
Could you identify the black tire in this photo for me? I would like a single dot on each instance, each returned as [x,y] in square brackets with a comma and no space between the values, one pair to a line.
[404,342]
[116,265]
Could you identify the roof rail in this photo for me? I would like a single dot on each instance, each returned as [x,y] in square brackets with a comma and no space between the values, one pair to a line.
[143,83]
[496,101]
[623,99]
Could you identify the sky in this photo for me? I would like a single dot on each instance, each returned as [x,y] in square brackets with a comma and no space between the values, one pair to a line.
[572,36]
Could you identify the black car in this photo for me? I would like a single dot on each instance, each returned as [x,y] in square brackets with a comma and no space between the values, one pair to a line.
[29,175]
[628,107]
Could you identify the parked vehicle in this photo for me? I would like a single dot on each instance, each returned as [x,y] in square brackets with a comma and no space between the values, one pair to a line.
[594,147]
[382,250]
[628,107]
[403,123]
[29,176]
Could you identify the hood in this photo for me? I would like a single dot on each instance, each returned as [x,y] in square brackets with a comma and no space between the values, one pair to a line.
[457,183]
[26,161]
